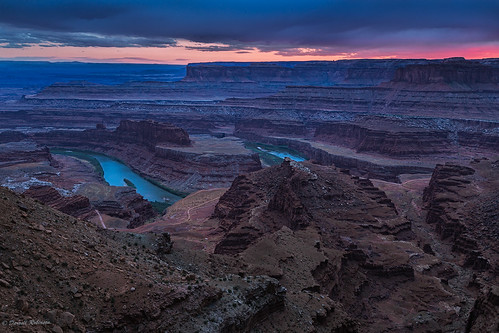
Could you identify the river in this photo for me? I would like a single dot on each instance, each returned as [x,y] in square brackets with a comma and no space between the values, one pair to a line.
[116,172]
[272,154]
[282,154]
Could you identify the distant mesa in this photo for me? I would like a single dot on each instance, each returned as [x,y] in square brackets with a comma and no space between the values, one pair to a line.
[151,133]
[322,73]
[455,70]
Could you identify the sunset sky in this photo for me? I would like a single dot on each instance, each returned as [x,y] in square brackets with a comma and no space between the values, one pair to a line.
[183,31]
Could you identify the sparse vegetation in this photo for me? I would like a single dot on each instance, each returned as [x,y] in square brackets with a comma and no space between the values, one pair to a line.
[160,206]
[129,183]
[268,158]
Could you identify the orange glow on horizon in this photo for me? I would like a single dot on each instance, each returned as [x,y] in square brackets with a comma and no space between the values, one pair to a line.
[181,54]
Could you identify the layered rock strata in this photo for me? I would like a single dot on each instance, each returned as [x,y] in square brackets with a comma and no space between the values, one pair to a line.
[451,71]
[462,204]
[122,202]
[162,152]
[77,205]
[357,165]
[366,72]
[23,152]
[151,133]
[332,238]
[294,195]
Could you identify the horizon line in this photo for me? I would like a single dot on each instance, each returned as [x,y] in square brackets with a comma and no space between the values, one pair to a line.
[104,62]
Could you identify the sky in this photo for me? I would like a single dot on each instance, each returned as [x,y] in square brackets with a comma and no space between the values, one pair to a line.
[184,31]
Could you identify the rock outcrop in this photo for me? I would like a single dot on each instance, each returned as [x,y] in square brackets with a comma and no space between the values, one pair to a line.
[21,152]
[295,195]
[76,205]
[151,133]
[462,204]
[483,317]
[335,239]
[390,141]
[144,133]
[451,71]
[122,202]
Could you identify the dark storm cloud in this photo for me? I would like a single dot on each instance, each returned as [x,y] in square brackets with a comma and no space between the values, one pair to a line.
[19,38]
[268,25]
[214,48]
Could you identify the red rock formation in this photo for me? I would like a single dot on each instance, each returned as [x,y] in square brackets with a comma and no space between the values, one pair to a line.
[450,71]
[144,133]
[462,205]
[402,141]
[121,202]
[295,195]
[77,205]
[72,277]
[125,204]
[24,152]
[365,72]
[150,133]
[340,240]
[483,317]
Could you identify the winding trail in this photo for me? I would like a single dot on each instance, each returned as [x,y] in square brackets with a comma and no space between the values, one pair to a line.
[101,221]
[201,205]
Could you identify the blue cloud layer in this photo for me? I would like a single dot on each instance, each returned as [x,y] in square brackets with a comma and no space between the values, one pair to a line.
[267,25]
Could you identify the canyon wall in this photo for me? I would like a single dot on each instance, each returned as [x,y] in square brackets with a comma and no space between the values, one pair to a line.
[391,141]
[462,205]
[150,133]
[363,72]
[322,232]
[451,71]
[356,165]
[21,152]
[158,153]
[76,205]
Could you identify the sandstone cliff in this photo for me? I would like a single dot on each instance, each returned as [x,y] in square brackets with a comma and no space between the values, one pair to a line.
[13,153]
[461,72]
[151,133]
[77,205]
[462,204]
[390,141]
[360,72]
[162,152]
[339,239]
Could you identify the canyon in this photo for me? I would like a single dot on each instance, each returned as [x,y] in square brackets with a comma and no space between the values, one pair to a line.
[391,224]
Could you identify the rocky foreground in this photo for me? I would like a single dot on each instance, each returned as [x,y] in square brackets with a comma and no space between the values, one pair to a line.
[297,247]
[60,274]
[360,252]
